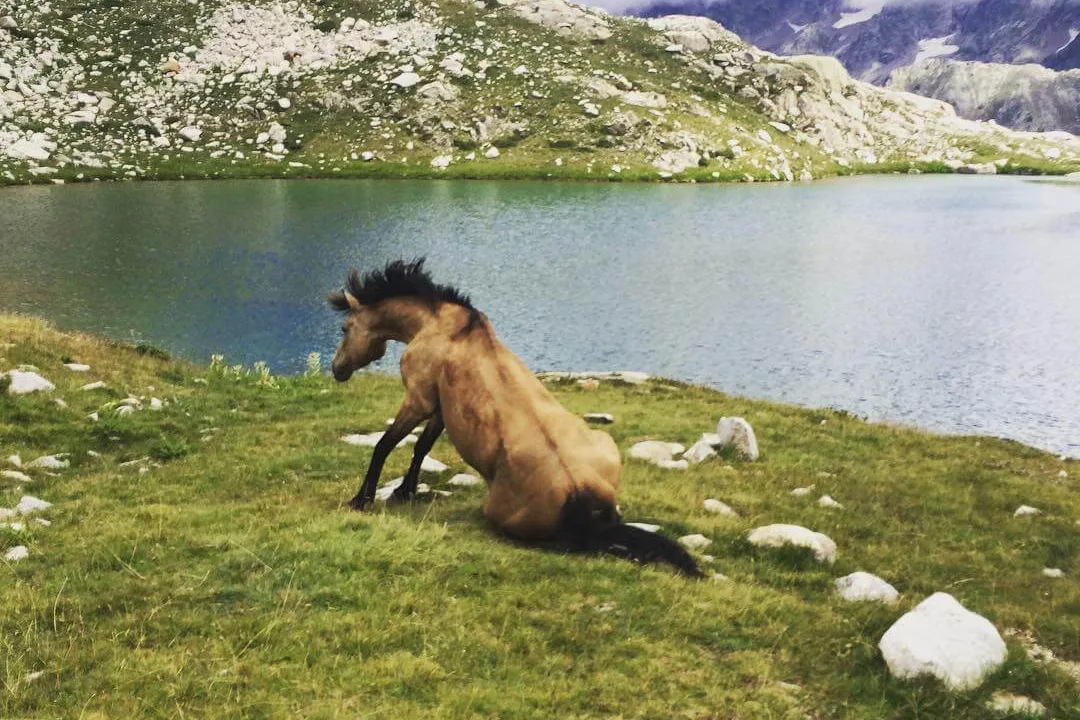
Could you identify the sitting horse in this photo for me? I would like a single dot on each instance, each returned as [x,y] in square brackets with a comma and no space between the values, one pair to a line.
[550,477]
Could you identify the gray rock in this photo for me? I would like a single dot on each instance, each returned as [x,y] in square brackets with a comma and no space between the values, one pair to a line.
[26,382]
[943,639]
[737,433]
[778,535]
[862,586]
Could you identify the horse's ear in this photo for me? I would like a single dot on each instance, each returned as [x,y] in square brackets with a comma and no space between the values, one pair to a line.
[354,305]
[342,301]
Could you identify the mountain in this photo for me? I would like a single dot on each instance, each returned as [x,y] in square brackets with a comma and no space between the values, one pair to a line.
[1028,96]
[873,37]
[499,88]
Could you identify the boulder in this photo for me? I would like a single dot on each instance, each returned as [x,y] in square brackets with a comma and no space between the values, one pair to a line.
[943,639]
[49,462]
[438,92]
[17,553]
[491,153]
[190,133]
[28,505]
[695,542]
[655,451]
[15,475]
[30,149]
[693,34]
[699,452]
[465,480]
[719,508]
[441,161]
[860,586]
[736,432]
[778,535]
[406,80]
[25,382]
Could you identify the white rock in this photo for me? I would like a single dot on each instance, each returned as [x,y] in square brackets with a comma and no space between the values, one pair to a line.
[24,382]
[699,452]
[864,586]
[49,462]
[720,508]
[491,153]
[17,553]
[655,451]
[372,439]
[406,80]
[384,492]
[737,433]
[1063,474]
[943,639]
[673,464]
[1053,572]
[96,385]
[77,367]
[1011,705]
[647,527]
[1025,510]
[284,103]
[28,150]
[464,480]
[777,535]
[156,403]
[827,501]
[599,418]
[191,134]
[367,156]
[431,465]
[441,161]
[695,542]
[16,476]
[802,491]
[14,461]
[28,504]
[719,577]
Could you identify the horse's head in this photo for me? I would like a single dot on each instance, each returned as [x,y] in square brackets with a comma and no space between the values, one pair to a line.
[360,345]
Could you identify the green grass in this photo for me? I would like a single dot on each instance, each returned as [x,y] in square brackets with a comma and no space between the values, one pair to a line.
[231,581]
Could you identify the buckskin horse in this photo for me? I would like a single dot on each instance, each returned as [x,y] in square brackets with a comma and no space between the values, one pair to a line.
[550,477]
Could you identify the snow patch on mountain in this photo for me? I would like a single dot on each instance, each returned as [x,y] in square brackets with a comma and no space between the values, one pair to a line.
[861,14]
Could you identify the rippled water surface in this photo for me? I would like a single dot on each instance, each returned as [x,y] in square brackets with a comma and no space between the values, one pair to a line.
[952,303]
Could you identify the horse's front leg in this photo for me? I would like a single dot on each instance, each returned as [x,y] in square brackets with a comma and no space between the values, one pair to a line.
[427,439]
[408,417]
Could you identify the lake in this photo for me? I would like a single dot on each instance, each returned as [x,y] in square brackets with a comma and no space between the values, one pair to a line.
[951,303]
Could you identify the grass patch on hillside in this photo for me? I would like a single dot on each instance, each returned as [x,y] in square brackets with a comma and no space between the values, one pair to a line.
[230,580]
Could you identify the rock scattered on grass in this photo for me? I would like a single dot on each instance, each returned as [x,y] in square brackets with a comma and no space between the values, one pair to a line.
[720,508]
[431,465]
[737,433]
[942,638]
[699,452]
[24,382]
[599,418]
[77,367]
[1053,572]
[802,491]
[14,461]
[96,385]
[50,462]
[16,476]
[862,586]
[17,553]
[719,577]
[780,534]
[827,501]
[464,480]
[647,527]
[386,491]
[695,541]
[372,439]
[28,505]
[657,452]
[1003,703]
[1025,510]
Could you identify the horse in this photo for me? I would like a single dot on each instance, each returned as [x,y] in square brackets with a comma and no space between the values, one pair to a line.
[550,477]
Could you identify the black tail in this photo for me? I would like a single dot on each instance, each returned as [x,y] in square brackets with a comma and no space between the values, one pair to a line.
[589,525]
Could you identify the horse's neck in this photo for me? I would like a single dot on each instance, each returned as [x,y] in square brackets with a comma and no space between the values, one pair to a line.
[402,319]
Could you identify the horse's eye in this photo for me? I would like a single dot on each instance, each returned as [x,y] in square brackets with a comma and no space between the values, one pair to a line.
[344,329]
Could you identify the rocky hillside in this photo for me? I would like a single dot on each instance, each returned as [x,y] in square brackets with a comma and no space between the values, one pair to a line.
[1024,96]
[499,88]
[873,37]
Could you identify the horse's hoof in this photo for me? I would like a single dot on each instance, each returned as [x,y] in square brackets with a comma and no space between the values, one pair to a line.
[401,497]
[358,503]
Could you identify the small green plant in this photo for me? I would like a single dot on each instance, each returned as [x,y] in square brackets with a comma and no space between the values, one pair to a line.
[166,449]
[150,351]
[313,366]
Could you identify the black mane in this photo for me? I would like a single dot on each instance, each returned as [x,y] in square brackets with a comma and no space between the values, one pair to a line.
[398,279]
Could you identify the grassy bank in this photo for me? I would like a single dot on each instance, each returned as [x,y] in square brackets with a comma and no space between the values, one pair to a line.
[228,579]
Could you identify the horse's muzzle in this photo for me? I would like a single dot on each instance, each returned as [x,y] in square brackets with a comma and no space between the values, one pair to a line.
[341,374]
